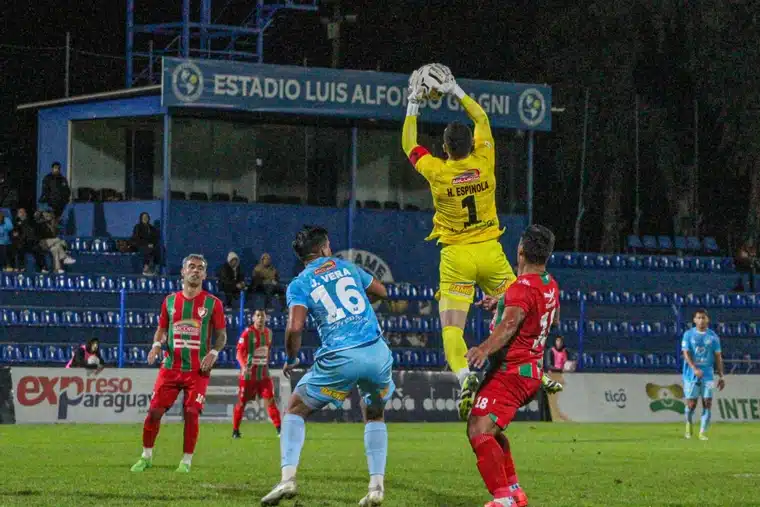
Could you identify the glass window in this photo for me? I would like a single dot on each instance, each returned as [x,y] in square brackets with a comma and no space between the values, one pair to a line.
[294,164]
[116,158]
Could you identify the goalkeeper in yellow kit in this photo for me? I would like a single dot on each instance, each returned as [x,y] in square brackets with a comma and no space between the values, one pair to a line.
[465,223]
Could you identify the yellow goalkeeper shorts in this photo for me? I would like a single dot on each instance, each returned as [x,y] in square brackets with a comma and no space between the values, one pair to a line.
[463,266]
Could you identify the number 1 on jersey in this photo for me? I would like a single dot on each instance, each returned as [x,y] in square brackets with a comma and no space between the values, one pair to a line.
[472,212]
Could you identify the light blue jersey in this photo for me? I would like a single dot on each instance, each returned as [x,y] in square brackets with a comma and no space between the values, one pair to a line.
[702,348]
[333,291]
[353,351]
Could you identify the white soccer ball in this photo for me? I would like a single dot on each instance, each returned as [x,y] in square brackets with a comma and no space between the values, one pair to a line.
[93,360]
[429,79]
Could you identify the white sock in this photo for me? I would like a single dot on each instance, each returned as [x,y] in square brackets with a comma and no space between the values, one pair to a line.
[288,473]
[376,481]
[187,459]
[147,453]
[462,375]
[506,502]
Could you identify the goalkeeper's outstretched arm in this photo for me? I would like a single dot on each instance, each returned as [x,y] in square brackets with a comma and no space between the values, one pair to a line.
[476,114]
[409,134]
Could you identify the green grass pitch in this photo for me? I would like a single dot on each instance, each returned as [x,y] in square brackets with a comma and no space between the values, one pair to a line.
[428,465]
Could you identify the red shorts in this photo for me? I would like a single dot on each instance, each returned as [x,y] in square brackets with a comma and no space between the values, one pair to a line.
[502,394]
[169,384]
[252,388]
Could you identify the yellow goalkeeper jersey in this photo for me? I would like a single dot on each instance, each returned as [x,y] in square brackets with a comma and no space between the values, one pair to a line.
[464,190]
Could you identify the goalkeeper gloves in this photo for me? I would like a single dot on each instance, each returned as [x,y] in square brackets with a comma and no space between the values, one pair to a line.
[549,385]
[416,94]
[443,75]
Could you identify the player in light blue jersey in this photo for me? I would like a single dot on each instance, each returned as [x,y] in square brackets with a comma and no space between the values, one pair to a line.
[353,352]
[701,357]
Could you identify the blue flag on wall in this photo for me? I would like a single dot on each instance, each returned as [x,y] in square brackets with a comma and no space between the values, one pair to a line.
[342,93]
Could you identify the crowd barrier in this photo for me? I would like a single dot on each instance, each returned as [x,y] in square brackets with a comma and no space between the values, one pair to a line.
[644,398]
[122,395]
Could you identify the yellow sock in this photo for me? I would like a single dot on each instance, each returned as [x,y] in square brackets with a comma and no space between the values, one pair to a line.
[455,348]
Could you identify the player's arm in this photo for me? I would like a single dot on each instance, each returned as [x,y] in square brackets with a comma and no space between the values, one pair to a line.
[220,336]
[159,337]
[419,156]
[505,331]
[293,332]
[719,364]
[242,348]
[374,289]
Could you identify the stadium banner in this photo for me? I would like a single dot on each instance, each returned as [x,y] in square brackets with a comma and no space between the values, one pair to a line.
[61,395]
[342,93]
[420,396]
[647,398]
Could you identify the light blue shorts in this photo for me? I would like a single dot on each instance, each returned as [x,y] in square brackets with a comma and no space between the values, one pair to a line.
[334,375]
[699,388]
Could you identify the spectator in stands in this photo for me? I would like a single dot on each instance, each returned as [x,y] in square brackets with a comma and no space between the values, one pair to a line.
[55,191]
[266,280]
[145,237]
[557,356]
[88,356]
[746,261]
[47,231]
[6,228]
[25,240]
[231,279]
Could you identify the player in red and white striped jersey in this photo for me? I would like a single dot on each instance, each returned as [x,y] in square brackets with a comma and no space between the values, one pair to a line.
[253,356]
[193,328]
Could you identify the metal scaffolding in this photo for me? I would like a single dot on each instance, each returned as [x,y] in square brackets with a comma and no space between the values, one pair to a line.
[230,35]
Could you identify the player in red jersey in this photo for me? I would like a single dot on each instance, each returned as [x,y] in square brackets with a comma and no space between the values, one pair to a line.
[253,358]
[515,351]
[192,326]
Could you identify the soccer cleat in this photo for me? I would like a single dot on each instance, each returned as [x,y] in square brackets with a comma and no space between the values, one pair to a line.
[549,385]
[520,498]
[142,465]
[183,468]
[467,396]
[702,436]
[687,435]
[235,433]
[500,502]
[374,497]
[283,490]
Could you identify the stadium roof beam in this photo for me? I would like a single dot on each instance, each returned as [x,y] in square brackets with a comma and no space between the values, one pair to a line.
[224,37]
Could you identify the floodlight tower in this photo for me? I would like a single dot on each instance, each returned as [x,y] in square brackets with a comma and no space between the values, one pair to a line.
[232,32]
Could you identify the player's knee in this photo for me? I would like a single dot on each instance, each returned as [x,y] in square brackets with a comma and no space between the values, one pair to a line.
[707,403]
[155,414]
[692,404]
[192,411]
[375,412]
[476,426]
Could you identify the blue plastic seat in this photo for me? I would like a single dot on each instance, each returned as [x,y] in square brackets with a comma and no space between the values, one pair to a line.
[588,360]
[43,283]
[617,261]
[652,360]
[670,360]
[619,360]
[570,260]
[634,242]
[693,244]
[111,319]
[637,361]
[649,242]
[605,361]
[665,243]
[710,245]
[680,243]
[34,353]
[49,318]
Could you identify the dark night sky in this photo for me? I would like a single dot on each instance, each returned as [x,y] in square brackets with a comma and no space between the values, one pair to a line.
[499,40]
[392,35]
